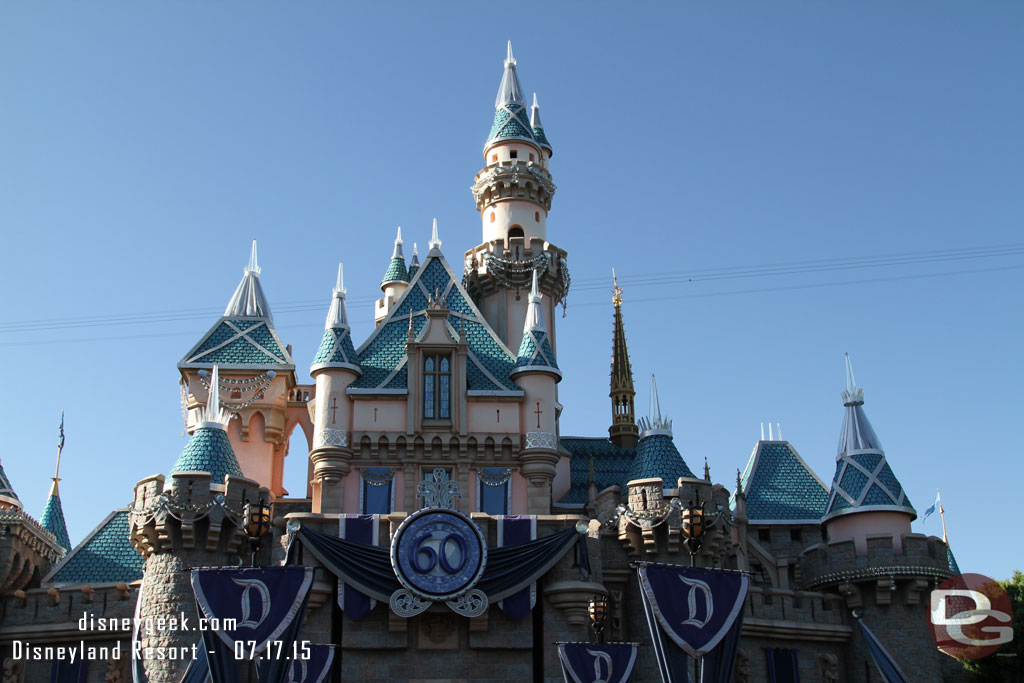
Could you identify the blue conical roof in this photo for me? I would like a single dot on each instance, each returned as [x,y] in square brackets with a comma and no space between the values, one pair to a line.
[511,120]
[657,456]
[53,518]
[863,480]
[537,127]
[396,271]
[535,348]
[209,450]
[336,348]
[780,487]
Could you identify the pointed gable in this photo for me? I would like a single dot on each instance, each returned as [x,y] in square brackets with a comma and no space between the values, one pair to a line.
[382,357]
[780,487]
[106,555]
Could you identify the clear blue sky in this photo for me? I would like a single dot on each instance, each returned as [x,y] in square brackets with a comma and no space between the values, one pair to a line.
[142,146]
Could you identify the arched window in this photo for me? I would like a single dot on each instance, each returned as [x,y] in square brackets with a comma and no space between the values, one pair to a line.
[536,216]
[437,387]
[516,231]
[492,216]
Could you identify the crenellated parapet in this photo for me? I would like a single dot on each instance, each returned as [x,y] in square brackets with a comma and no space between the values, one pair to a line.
[27,550]
[879,575]
[188,514]
[513,179]
[500,265]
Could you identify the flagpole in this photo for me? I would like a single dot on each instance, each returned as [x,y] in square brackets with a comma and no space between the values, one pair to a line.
[60,447]
[942,514]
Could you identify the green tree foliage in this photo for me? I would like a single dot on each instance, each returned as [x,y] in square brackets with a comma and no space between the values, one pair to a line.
[1007,663]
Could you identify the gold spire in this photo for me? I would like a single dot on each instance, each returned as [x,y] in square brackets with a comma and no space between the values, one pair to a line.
[623,431]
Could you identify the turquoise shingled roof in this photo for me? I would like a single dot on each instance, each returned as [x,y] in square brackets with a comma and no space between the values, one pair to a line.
[336,347]
[540,137]
[209,450]
[510,121]
[239,341]
[396,271]
[53,521]
[105,556]
[863,481]
[382,357]
[951,561]
[535,351]
[779,486]
[5,485]
[657,456]
[611,466]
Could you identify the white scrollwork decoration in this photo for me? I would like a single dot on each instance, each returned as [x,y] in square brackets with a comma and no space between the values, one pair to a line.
[405,604]
[440,492]
[332,437]
[471,604]
[541,440]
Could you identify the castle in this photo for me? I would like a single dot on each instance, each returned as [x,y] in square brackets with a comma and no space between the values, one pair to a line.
[461,375]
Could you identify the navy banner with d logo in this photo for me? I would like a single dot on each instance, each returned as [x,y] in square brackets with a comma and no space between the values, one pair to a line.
[251,609]
[597,662]
[693,607]
[312,666]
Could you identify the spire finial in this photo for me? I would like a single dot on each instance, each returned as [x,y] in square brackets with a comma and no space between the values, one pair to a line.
[340,287]
[534,288]
[416,248]
[655,409]
[852,395]
[397,253]
[214,415]
[707,470]
[254,265]
[509,59]
[398,239]
[616,290]
[435,241]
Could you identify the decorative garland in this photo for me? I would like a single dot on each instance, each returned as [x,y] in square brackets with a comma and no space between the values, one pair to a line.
[258,384]
[175,509]
[184,407]
[378,479]
[494,479]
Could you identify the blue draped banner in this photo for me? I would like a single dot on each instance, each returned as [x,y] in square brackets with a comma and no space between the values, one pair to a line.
[314,668]
[695,612]
[359,529]
[887,666]
[597,662]
[783,666]
[516,530]
[265,606]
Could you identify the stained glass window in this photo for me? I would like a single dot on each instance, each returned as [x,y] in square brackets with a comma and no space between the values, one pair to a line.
[437,385]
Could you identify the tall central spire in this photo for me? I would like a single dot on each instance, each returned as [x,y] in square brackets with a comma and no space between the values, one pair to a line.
[509,91]
[623,431]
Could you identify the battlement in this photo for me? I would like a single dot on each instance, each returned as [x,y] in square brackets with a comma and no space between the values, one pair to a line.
[27,550]
[188,512]
[837,562]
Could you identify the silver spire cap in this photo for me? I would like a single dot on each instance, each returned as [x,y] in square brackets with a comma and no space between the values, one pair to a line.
[398,245]
[214,416]
[337,317]
[248,300]
[509,91]
[534,314]
[535,114]
[655,423]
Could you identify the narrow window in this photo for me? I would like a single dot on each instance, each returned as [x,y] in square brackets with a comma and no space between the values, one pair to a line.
[492,216]
[513,154]
[494,158]
[536,216]
[795,536]
[494,490]
[531,156]
[764,536]
[437,387]
[377,488]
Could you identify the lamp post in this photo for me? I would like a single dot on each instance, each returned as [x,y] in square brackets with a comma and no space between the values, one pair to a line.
[693,527]
[257,524]
[598,611]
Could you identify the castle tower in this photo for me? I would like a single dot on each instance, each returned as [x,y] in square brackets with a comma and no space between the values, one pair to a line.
[866,498]
[623,431]
[334,368]
[27,549]
[656,452]
[513,195]
[195,520]
[396,279]
[256,374]
[536,372]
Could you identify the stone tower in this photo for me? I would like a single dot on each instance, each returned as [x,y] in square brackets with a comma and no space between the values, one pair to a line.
[334,368]
[537,373]
[513,195]
[194,520]
[623,431]
[883,570]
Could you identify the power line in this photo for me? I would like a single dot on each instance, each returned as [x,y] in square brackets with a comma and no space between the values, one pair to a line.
[580,285]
